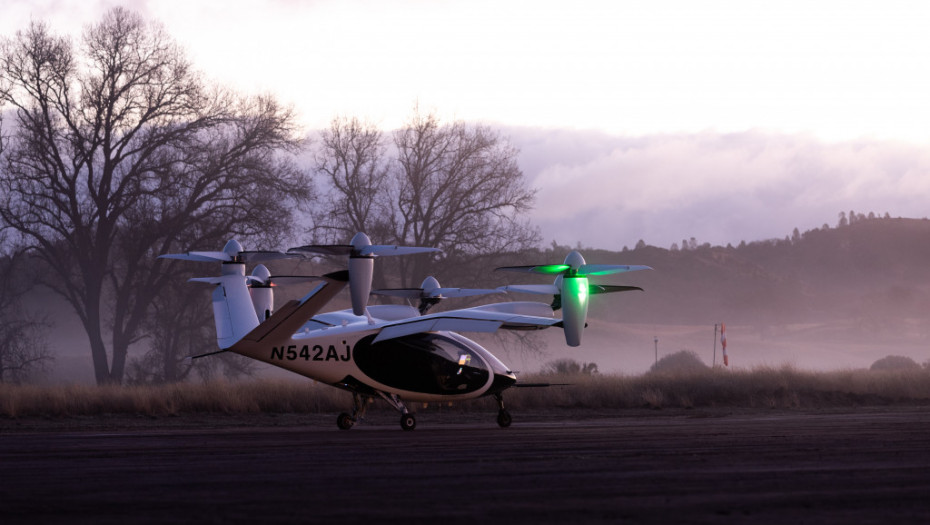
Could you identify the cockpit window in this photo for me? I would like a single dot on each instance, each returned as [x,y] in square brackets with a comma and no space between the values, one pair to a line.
[428,363]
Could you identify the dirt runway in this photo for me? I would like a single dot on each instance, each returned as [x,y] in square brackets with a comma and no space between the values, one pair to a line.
[867,466]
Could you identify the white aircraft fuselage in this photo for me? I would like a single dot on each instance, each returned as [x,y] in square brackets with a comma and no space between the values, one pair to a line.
[398,353]
[339,349]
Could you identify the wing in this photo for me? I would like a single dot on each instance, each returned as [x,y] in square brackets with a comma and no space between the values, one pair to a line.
[607,269]
[390,249]
[406,293]
[323,249]
[544,289]
[608,288]
[487,318]
[544,269]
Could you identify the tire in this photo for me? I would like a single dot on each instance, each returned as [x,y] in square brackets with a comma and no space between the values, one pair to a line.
[408,422]
[504,419]
[345,421]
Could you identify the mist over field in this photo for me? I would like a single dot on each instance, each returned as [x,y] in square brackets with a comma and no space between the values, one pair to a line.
[628,163]
[826,299]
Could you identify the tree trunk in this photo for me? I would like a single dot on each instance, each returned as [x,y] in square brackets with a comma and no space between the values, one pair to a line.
[119,364]
[98,352]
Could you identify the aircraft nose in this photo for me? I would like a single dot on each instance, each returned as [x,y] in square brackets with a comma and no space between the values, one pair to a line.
[502,382]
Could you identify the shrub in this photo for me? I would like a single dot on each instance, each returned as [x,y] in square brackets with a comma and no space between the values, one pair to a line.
[683,361]
[895,362]
[569,367]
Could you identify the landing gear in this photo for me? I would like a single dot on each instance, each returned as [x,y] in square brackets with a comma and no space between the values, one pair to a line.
[408,422]
[359,404]
[503,416]
[504,419]
[346,421]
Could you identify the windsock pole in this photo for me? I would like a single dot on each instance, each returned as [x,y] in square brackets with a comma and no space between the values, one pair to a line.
[723,344]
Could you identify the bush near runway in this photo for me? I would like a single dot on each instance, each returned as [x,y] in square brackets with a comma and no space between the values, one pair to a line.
[761,387]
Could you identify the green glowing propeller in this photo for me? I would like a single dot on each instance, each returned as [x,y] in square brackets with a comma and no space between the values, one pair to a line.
[571,288]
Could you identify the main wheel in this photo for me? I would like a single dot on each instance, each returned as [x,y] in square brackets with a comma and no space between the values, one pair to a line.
[504,419]
[345,421]
[408,422]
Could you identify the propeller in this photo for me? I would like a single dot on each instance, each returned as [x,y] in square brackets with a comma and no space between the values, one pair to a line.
[361,255]
[232,253]
[571,288]
[234,259]
[575,265]
[261,287]
[430,293]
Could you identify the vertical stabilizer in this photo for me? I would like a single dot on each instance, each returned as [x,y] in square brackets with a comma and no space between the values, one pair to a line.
[233,311]
[290,317]
[233,308]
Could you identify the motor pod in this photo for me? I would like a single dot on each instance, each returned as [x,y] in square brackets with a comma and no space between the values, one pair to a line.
[361,270]
[571,288]
[361,263]
[262,292]
[574,308]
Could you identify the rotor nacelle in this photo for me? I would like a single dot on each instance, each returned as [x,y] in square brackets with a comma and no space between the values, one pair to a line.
[361,263]
[431,293]
[574,308]
[571,288]
[240,302]
[262,285]
[262,292]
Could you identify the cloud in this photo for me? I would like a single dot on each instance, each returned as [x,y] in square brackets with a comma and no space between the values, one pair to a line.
[554,66]
[65,16]
[837,70]
[606,191]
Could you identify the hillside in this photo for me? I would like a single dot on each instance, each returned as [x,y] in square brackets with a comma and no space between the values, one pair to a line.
[829,298]
[872,270]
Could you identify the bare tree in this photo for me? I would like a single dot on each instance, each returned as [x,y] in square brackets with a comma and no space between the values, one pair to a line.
[352,158]
[456,187]
[119,152]
[23,347]
[178,327]
[181,326]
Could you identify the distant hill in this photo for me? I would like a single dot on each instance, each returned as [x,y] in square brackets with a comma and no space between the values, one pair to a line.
[873,270]
[825,299]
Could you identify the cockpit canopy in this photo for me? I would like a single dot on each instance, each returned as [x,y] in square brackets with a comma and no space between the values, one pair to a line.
[427,362]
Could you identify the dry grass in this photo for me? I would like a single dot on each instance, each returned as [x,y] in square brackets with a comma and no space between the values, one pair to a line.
[168,400]
[763,387]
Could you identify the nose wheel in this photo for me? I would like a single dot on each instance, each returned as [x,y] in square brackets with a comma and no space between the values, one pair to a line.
[504,419]
[407,420]
[503,416]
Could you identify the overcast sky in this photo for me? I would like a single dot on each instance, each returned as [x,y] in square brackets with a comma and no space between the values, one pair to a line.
[659,120]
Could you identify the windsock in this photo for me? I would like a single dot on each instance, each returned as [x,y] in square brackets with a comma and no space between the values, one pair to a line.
[723,343]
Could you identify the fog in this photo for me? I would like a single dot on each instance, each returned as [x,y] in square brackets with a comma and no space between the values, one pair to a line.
[619,348]
[607,192]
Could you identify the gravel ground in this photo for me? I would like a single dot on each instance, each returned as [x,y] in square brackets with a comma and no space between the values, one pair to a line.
[555,466]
